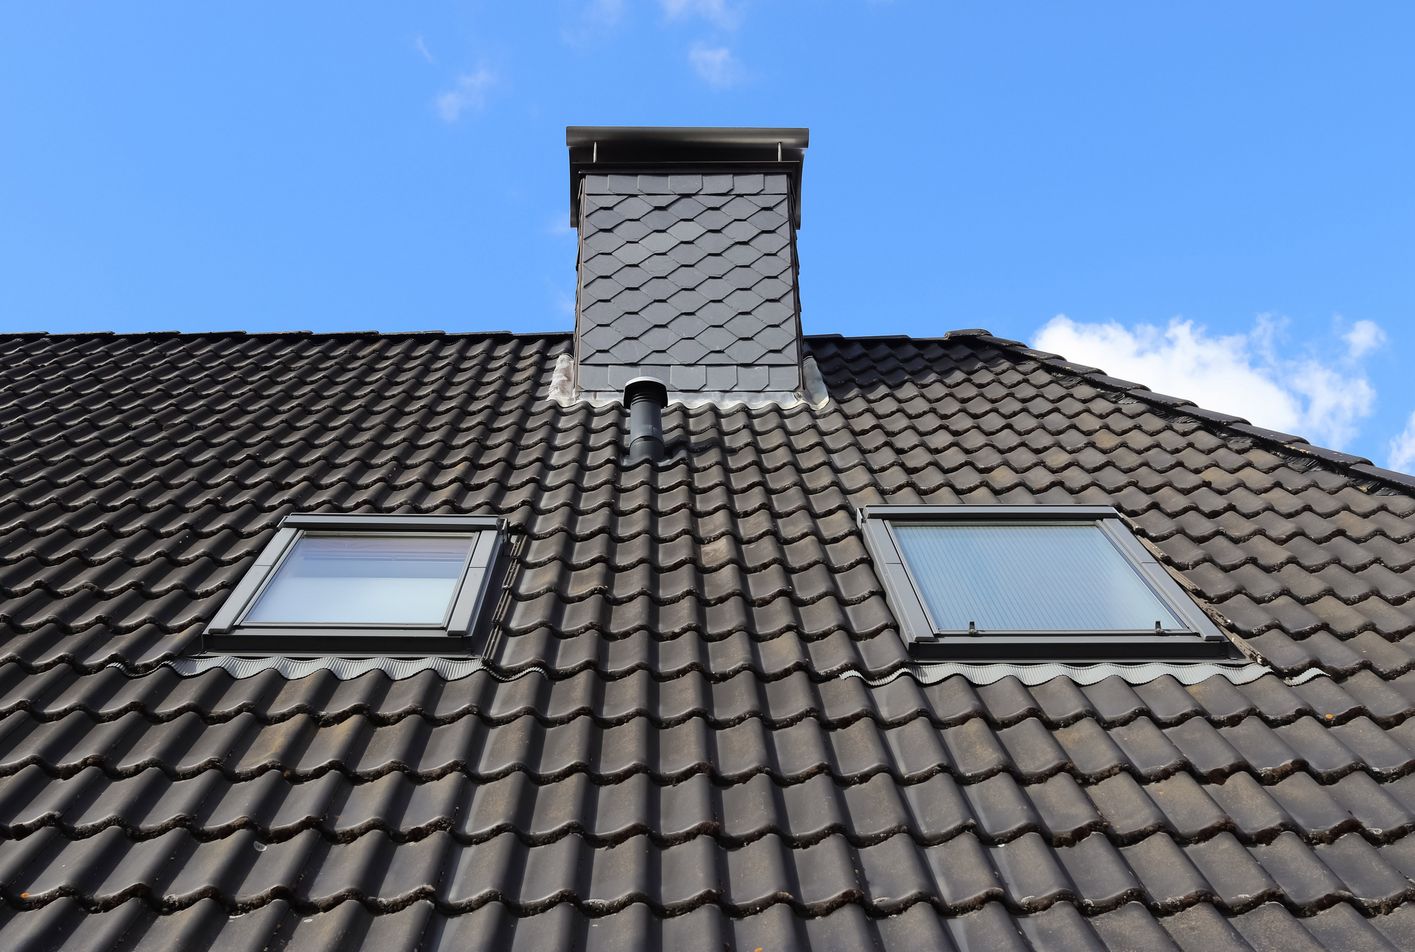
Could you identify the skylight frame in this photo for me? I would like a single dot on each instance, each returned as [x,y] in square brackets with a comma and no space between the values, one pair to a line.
[231,632]
[1200,639]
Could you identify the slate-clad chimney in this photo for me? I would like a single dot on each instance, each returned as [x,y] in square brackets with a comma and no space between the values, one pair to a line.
[687,260]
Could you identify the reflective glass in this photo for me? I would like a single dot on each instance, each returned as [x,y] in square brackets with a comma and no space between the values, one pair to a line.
[365,580]
[1028,578]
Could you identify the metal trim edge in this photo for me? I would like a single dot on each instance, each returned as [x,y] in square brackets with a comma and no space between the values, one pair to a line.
[1035,674]
[345,669]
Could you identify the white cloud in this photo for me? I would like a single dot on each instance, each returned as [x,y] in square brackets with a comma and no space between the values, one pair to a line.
[1402,449]
[469,93]
[597,19]
[563,302]
[606,12]
[559,225]
[421,47]
[717,66]
[1243,374]
[714,11]
[1363,338]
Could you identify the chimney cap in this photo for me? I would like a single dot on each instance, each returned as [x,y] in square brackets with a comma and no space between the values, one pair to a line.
[790,138]
[650,385]
[684,149]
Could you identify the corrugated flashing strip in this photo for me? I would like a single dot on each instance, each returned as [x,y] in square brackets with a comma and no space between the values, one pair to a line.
[1034,674]
[345,669]
[780,400]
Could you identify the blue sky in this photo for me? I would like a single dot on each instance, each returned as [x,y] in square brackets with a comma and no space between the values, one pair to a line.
[1217,197]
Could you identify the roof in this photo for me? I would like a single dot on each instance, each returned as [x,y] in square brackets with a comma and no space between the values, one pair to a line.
[698,728]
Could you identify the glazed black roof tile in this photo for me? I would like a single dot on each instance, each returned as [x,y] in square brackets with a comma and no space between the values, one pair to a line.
[696,729]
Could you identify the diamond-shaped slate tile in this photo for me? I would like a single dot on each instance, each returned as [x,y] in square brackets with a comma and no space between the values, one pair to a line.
[723,238]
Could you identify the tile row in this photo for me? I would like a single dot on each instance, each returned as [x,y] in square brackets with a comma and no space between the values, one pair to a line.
[211,805]
[174,869]
[65,926]
[910,752]
[164,694]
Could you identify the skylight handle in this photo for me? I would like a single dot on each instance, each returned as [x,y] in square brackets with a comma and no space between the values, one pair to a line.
[645,397]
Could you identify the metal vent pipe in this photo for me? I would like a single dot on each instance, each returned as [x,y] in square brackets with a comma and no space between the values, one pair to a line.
[646,398]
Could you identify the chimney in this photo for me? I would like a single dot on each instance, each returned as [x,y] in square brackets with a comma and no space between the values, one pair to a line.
[687,261]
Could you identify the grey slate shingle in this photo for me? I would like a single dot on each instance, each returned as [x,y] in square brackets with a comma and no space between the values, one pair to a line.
[690,279]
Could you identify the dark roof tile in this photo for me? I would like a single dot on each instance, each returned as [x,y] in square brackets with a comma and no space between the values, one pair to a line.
[1264,750]
[1305,881]
[1256,813]
[1342,927]
[1314,812]
[1381,816]
[1122,803]
[1208,754]
[1238,880]
[1147,749]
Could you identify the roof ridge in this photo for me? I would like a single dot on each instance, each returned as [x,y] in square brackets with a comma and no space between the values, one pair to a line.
[1293,446]
[286,333]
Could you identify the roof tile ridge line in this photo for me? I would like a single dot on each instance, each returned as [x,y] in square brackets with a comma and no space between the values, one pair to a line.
[592,910]
[326,716]
[713,675]
[304,334]
[1289,444]
[610,504]
[272,833]
[658,566]
[378,718]
[1036,674]
[663,537]
[602,594]
[303,774]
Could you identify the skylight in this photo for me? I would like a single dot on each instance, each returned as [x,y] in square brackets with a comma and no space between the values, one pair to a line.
[1020,583]
[363,584]
[365,580]
[1000,577]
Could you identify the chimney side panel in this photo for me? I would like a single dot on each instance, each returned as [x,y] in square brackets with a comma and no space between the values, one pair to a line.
[690,279]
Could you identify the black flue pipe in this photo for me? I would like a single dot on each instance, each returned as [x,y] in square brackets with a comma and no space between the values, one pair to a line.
[646,398]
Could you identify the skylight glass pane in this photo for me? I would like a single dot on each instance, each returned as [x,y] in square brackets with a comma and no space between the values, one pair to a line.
[365,580]
[1028,578]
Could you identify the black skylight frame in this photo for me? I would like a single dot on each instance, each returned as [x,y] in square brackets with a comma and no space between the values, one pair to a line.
[1200,640]
[465,621]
